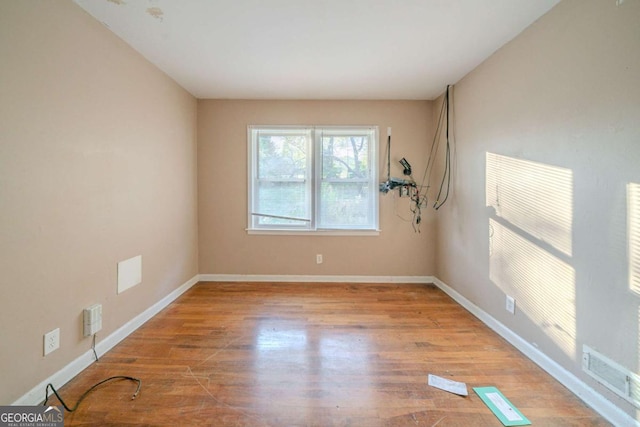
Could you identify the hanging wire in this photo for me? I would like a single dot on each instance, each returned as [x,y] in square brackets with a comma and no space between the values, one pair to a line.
[447,166]
[420,194]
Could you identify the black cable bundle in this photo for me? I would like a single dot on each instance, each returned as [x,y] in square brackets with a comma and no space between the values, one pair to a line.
[447,165]
[420,200]
[86,393]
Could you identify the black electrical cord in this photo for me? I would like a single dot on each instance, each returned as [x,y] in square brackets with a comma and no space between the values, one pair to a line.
[420,197]
[432,154]
[446,176]
[420,193]
[86,393]
[93,347]
[388,157]
[414,194]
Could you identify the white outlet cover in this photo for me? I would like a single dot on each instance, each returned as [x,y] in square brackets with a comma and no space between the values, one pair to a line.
[129,273]
[51,341]
[511,305]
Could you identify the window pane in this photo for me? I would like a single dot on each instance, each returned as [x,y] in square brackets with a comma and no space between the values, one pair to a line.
[345,157]
[345,204]
[282,199]
[297,173]
[282,157]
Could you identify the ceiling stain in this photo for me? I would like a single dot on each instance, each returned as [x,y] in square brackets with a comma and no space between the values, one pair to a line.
[156,12]
[118,2]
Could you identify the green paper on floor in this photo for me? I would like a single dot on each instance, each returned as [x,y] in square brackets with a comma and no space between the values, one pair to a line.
[501,407]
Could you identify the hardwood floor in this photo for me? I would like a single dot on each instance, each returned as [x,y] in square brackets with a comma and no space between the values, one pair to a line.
[322,354]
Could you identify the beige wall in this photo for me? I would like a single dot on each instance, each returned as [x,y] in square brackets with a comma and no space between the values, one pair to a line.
[551,123]
[225,246]
[97,164]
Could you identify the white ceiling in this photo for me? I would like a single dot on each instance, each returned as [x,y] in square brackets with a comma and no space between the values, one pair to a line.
[316,49]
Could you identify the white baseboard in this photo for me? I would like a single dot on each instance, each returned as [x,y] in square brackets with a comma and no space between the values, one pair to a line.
[35,396]
[313,278]
[595,400]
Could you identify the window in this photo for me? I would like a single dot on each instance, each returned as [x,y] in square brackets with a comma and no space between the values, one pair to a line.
[313,178]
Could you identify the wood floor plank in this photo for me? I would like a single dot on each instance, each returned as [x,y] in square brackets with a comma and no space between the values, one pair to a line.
[315,354]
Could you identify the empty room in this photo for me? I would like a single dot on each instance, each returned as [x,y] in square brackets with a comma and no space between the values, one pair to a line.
[320,213]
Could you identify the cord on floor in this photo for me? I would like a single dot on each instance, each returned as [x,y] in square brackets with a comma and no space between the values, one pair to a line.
[86,393]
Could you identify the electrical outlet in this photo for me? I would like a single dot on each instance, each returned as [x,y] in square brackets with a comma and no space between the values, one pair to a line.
[51,341]
[319,259]
[511,305]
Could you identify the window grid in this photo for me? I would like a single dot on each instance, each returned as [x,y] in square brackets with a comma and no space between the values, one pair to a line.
[333,202]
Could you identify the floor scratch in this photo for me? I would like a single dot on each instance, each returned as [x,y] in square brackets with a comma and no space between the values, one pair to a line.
[191,374]
[218,401]
[215,353]
[438,422]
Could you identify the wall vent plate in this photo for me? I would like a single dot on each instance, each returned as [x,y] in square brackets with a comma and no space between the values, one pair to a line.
[610,374]
[129,273]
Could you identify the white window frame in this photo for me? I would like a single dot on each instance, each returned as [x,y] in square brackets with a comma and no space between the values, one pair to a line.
[314,182]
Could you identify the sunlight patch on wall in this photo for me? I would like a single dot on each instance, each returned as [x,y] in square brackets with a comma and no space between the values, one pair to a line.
[543,285]
[636,390]
[633,233]
[534,197]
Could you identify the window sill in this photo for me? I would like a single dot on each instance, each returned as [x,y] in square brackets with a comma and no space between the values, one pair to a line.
[285,232]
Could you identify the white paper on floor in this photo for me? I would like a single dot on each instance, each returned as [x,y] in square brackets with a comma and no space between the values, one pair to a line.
[451,386]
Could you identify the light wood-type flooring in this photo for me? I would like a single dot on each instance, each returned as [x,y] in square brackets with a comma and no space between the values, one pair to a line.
[315,354]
